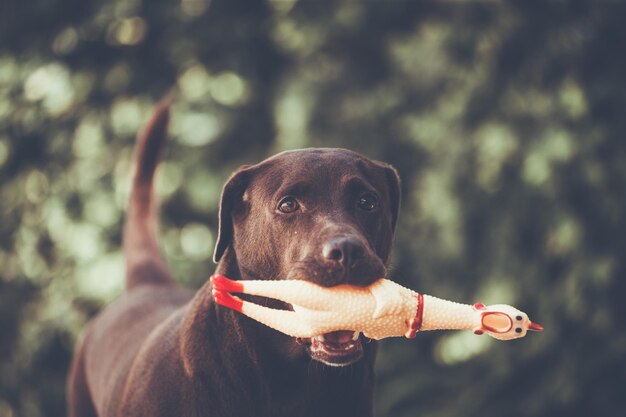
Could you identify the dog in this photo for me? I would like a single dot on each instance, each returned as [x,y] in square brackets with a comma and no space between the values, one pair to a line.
[322,215]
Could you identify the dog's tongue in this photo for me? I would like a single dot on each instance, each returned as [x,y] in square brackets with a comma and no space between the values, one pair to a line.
[339,336]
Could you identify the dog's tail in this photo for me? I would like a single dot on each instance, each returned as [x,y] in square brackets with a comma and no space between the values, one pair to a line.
[145,263]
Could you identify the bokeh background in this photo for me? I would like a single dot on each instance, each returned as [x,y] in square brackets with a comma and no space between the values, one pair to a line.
[505,119]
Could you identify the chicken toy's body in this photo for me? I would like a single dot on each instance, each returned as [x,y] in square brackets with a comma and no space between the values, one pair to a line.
[383,309]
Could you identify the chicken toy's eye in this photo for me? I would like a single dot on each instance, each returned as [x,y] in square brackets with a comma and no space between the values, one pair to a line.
[518,318]
[518,330]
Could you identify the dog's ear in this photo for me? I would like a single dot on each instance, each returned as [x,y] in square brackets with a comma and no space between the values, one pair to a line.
[393,184]
[232,195]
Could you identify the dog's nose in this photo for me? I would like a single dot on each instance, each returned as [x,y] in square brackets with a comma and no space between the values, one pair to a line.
[343,250]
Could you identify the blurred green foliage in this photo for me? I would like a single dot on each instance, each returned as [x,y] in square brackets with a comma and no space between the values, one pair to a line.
[505,120]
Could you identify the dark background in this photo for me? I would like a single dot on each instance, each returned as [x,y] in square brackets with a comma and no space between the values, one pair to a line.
[506,121]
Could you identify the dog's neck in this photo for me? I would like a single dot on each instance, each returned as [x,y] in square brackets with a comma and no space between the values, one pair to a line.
[274,369]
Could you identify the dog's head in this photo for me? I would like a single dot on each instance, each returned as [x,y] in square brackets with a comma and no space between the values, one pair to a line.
[321,215]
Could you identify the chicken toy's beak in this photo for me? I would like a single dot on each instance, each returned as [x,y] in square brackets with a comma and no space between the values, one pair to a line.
[535,327]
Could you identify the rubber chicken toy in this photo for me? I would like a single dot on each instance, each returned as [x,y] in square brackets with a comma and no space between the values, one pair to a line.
[383,309]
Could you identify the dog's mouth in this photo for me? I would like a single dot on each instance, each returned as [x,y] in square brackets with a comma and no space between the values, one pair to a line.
[338,348]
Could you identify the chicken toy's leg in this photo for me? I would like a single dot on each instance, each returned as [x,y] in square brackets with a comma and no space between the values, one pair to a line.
[284,321]
[301,293]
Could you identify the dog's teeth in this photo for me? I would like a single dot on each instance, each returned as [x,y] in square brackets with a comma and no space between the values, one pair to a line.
[320,338]
[355,335]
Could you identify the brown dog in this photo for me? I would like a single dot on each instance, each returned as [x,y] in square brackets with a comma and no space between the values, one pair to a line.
[323,215]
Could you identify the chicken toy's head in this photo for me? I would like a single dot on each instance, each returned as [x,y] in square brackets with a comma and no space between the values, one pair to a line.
[504,322]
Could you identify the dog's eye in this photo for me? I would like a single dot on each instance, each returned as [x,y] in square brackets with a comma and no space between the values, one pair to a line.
[368,202]
[288,205]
